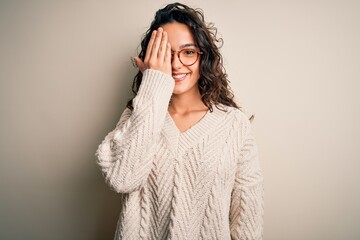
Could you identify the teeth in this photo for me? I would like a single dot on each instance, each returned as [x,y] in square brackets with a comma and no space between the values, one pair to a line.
[179,75]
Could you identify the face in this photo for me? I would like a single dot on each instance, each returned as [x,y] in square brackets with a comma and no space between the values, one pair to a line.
[186,77]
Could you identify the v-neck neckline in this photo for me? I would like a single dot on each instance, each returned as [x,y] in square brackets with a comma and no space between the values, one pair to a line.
[180,141]
[192,126]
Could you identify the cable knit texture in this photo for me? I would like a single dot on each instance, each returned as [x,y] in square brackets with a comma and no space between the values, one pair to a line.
[204,183]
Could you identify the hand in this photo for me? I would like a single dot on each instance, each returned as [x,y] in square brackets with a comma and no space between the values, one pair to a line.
[158,53]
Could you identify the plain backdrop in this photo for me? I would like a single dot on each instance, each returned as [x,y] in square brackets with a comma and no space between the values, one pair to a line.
[65,76]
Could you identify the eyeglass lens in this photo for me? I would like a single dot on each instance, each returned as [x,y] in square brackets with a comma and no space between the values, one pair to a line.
[188,56]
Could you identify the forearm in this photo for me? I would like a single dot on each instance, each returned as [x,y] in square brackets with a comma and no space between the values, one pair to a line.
[125,155]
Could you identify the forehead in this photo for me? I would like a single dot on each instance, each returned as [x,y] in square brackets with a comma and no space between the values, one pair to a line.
[179,34]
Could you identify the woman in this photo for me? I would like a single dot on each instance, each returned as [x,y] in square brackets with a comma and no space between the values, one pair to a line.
[183,155]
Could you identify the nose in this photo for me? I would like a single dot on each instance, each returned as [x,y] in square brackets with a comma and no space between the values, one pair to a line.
[175,62]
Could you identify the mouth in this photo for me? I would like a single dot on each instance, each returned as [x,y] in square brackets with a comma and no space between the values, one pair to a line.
[179,76]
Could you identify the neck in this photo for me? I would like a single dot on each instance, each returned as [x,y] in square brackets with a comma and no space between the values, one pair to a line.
[186,102]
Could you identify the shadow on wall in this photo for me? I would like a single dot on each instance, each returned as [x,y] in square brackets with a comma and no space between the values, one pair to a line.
[108,203]
[110,206]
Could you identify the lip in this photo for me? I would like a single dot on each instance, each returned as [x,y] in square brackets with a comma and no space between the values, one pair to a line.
[180,79]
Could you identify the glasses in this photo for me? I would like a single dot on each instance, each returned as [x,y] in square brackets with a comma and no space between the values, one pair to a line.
[187,56]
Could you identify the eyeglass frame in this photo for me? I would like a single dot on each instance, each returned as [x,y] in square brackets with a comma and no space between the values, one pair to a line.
[178,55]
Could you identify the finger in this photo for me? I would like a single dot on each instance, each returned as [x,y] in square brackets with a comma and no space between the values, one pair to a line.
[140,64]
[149,46]
[162,48]
[167,58]
[156,44]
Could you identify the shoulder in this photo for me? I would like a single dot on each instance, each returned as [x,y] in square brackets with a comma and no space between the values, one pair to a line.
[238,122]
[232,113]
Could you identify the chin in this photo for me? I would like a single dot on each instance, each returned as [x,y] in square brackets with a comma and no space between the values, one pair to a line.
[184,89]
[186,85]
[178,91]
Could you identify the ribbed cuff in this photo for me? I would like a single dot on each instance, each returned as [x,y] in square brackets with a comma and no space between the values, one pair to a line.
[155,85]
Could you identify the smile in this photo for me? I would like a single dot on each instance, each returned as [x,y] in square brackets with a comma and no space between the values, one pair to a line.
[179,77]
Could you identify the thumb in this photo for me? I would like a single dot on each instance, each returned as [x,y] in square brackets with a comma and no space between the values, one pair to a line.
[139,63]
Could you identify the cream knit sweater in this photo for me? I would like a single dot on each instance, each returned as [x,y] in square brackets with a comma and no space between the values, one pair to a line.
[204,183]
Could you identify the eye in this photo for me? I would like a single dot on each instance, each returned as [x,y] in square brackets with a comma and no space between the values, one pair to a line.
[189,52]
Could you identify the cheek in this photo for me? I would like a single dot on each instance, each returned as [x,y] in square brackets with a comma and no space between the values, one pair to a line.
[196,70]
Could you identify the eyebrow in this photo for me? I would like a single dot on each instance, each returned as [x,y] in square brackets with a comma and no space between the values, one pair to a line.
[188,45]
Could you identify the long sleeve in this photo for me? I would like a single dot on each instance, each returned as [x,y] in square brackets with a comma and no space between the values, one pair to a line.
[247,199]
[126,154]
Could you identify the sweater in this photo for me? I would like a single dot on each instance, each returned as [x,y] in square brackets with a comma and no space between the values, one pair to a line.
[204,183]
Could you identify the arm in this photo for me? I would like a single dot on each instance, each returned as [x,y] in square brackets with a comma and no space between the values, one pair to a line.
[125,155]
[247,199]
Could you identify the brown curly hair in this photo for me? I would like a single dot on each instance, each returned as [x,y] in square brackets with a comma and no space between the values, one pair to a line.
[213,82]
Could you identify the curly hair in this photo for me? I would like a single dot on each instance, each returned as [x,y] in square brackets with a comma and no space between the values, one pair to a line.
[213,82]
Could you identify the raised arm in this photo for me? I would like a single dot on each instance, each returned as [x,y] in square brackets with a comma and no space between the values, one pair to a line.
[247,200]
[125,155]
